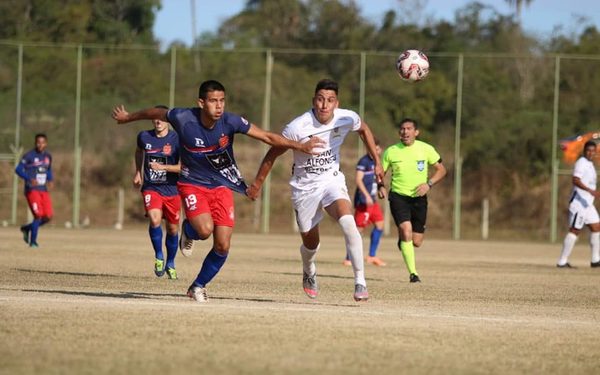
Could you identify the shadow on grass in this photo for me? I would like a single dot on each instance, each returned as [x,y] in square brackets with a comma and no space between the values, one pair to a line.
[150,296]
[64,273]
[320,275]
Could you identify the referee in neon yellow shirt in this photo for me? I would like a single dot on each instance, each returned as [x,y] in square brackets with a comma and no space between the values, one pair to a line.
[409,161]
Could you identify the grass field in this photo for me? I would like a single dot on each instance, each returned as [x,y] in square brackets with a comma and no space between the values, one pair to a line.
[87,301]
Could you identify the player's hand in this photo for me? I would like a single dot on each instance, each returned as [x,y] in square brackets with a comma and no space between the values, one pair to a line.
[157,166]
[50,185]
[120,114]
[137,179]
[253,191]
[310,146]
[369,200]
[379,173]
[381,192]
[422,190]
[33,182]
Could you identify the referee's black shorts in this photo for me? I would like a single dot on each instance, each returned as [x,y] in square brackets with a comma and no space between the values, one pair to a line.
[413,209]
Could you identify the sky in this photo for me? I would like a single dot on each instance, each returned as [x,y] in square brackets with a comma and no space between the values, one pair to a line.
[174,21]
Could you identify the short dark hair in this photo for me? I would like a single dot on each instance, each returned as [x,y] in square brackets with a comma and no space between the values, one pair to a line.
[162,106]
[41,135]
[589,144]
[405,120]
[209,86]
[327,84]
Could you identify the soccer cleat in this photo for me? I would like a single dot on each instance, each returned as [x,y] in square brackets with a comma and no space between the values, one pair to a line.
[159,267]
[567,265]
[376,261]
[360,293]
[309,283]
[25,234]
[186,245]
[197,293]
[595,264]
[171,273]
[414,278]
[34,245]
[347,262]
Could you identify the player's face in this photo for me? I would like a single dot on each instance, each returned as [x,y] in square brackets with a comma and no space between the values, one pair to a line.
[214,105]
[324,102]
[160,126]
[40,144]
[589,152]
[408,133]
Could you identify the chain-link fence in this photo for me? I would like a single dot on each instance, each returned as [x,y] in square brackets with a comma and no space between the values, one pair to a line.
[495,119]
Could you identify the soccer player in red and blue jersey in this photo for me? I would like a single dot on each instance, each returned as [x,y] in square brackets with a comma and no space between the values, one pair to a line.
[35,169]
[209,173]
[157,159]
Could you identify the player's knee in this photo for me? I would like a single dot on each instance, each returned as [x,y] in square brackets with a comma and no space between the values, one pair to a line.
[222,248]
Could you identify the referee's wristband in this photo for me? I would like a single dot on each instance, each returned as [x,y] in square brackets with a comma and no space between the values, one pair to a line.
[430,183]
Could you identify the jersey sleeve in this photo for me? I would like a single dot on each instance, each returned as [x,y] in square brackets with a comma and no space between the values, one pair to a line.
[579,169]
[385,162]
[139,141]
[240,124]
[361,165]
[173,119]
[288,132]
[356,121]
[432,155]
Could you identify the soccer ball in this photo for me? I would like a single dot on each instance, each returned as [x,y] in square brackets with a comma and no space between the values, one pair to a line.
[412,65]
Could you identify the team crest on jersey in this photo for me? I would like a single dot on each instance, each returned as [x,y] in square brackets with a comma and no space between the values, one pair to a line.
[148,146]
[223,141]
[167,149]
[421,165]
[199,142]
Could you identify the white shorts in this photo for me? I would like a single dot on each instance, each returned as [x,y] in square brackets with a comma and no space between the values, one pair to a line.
[309,203]
[580,216]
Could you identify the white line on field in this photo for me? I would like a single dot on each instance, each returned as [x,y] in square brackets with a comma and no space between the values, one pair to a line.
[365,309]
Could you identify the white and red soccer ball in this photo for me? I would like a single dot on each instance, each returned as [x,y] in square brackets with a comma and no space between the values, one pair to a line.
[412,65]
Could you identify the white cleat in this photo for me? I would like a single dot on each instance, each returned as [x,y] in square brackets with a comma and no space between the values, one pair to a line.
[197,293]
[186,245]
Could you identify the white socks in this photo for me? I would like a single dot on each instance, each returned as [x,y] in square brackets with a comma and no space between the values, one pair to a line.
[568,244]
[595,246]
[308,259]
[354,247]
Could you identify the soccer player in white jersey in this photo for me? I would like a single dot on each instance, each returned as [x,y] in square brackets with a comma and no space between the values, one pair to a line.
[317,182]
[581,207]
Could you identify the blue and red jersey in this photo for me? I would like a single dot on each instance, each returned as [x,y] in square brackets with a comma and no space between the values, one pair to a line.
[367,166]
[207,154]
[35,166]
[162,150]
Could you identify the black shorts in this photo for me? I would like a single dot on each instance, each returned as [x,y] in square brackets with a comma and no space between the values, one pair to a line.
[411,209]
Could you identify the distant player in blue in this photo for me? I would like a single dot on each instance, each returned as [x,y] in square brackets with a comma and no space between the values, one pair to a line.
[366,209]
[209,173]
[157,160]
[35,169]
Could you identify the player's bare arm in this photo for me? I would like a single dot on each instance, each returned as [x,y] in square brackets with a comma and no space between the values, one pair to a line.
[263,171]
[120,114]
[440,172]
[366,135]
[137,177]
[577,182]
[361,186]
[277,140]
[172,168]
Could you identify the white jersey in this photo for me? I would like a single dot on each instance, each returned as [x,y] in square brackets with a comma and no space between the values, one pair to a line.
[584,169]
[309,170]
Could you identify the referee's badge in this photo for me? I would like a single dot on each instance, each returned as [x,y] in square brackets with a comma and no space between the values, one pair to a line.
[421,165]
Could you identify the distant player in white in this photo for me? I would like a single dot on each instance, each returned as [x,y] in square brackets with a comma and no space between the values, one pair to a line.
[317,182]
[581,207]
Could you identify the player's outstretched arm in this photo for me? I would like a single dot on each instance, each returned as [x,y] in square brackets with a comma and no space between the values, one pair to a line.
[263,171]
[277,140]
[120,114]
[366,135]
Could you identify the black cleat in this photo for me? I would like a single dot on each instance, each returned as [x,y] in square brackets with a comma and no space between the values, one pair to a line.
[414,278]
[566,265]
[595,264]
